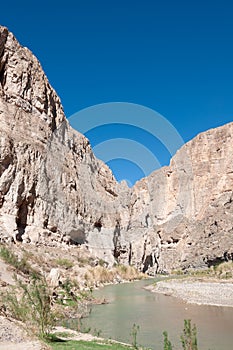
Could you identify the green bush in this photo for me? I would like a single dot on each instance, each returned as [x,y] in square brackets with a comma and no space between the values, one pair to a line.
[32,306]
[67,264]
[166,342]
[134,334]
[188,337]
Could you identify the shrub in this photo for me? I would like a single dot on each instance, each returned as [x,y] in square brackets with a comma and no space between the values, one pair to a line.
[166,342]
[134,334]
[102,263]
[129,272]
[10,258]
[189,336]
[67,264]
[224,270]
[98,274]
[32,306]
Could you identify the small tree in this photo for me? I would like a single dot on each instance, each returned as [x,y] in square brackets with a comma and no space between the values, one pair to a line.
[33,304]
[166,342]
[189,336]
[134,334]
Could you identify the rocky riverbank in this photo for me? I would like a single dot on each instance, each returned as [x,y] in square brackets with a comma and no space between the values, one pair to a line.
[13,335]
[197,291]
[70,272]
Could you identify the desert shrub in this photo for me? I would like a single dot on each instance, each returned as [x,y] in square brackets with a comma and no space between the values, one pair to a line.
[101,274]
[134,335]
[178,272]
[67,264]
[166,342]
[98,274]
[224,270]
[67,286]
[189,336]
[84,261]
[21,265]
[67,295]
[102,263]
[31,303]
[127,272]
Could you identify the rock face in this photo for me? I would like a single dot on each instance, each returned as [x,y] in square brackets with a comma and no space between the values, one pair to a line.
[185,211]
[52,188]
[54,191]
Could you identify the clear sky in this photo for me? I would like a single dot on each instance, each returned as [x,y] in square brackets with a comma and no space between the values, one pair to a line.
[175,57]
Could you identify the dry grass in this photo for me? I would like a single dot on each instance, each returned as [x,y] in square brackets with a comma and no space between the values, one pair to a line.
[101,275]
[98,275]
[129,273]
[74,263]
[66,263]
[223,270]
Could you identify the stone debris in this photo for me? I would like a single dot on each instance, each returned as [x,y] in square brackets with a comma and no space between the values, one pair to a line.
[13,336]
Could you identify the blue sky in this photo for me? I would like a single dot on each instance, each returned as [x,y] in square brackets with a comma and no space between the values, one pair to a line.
[175,57]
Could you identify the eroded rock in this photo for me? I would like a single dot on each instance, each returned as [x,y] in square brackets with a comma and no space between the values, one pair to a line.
[53,191]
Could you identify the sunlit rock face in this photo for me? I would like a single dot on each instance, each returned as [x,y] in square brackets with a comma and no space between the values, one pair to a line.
[54,191]
[52,188]
[184,211]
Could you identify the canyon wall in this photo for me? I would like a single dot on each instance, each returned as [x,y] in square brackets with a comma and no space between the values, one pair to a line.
[53,190]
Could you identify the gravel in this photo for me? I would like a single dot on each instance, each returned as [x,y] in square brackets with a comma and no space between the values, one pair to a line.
[13,336]
[197,292]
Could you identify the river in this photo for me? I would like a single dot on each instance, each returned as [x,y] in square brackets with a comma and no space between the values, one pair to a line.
[129,303]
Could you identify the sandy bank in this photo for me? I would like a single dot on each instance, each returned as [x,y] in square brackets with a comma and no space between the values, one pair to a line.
[195,291]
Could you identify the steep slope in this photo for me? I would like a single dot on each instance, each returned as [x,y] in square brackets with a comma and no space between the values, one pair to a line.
[185,211]
[52,188]
[54,191]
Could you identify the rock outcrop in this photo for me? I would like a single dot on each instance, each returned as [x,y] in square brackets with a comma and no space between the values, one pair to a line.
[52,188]
[54,191]
[185,211]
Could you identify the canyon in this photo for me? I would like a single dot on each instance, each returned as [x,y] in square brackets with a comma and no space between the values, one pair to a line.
[55,192]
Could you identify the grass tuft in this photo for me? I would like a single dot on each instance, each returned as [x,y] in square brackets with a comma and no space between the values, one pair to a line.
[21,265]
[67,264]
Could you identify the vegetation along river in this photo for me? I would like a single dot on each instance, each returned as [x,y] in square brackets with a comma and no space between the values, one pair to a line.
[129,303]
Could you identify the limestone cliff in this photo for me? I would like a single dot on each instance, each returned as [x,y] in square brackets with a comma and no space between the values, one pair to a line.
[52,188]
[184,212]
[54,191]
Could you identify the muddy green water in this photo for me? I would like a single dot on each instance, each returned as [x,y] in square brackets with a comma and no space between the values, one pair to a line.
[129,303]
